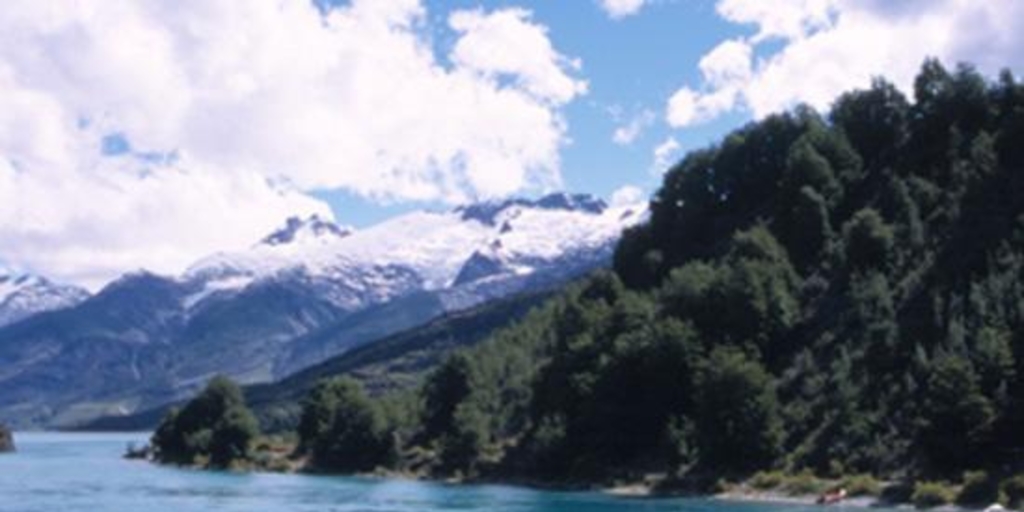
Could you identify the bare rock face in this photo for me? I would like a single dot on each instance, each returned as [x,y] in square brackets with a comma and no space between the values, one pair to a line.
[6,440]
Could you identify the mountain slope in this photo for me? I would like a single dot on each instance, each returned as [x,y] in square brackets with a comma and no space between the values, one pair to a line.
[395,362]
[303,294]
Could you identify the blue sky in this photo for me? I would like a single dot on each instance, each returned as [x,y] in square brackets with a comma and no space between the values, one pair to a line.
[151,134]
[632,66]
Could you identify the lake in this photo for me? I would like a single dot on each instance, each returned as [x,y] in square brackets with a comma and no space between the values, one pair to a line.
[56,472]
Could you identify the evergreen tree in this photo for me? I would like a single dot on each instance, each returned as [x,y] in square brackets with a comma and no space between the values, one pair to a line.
[318,410]
[738,423]
[958,418]
[215,424]
[446,387]
[357,437]
[869,241]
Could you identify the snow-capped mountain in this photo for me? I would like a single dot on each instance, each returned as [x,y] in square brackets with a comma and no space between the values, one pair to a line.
[298,230]
[306,292]
[422,251]
[23,295]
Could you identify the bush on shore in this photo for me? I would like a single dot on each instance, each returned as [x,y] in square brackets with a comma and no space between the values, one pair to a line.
[932,494]
[861,485]
[798,484]
[767,480]
[979,489]
[1013,491]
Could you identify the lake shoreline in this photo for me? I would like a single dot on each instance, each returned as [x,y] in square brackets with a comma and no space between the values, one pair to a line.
[742,493]
[653,486]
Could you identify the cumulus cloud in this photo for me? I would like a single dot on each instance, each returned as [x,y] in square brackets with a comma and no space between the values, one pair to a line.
[725,70]
[627,195]
[617,9]
[507,44]
[787,19]
[228,114]
[665,154]
[830,46]
[628,133]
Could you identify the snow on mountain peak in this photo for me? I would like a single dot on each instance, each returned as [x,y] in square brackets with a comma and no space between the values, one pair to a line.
[23,295]
[302,230]
[433,250]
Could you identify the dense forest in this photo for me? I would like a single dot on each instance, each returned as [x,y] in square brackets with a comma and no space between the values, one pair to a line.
[835,294]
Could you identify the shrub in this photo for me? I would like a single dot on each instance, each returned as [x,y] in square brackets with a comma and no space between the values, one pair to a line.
[765,480]
[721,486]
[804,483]
[899,492]
[861,485]
[978,489]
[1013,489]
[932,494]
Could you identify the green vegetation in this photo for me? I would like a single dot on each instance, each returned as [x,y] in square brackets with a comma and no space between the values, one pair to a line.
[932,494]
[822,296]
[215,429]
[861,485]
[840,294]
[343,430]
[395,363]
[1013,491]
[979,490]
[767,480]
[806,483]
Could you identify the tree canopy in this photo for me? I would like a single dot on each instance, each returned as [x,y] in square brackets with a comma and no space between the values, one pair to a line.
[215,427]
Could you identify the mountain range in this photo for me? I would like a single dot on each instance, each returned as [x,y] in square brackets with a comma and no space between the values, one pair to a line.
[307,292]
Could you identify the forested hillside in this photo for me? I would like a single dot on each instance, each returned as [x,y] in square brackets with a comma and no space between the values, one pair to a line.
[841,293]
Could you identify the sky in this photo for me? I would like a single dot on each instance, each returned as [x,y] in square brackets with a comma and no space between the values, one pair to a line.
[149,133]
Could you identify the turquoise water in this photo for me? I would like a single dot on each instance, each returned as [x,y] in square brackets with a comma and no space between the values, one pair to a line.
[85,473]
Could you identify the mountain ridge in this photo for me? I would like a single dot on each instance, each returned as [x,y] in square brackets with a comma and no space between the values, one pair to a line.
[255,314]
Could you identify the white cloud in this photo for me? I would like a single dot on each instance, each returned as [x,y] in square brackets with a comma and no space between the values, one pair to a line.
[628,133]
[617,9]
[728,64]
[788,19]
[85,226]
[507,43]
[725,70]
[665,154]
[627,195]
[260,103]
[831,46]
